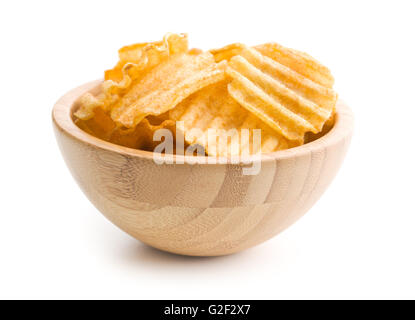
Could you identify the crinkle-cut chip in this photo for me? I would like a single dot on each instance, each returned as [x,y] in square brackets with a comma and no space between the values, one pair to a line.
[115,74]
[227,52]
[87,104]
[166,85]
[195,51]
[309,136]
[214,109]
[100,126]
[287,101]
[135,61]
[298,61]
[141,137]
[158,119]
[149,53]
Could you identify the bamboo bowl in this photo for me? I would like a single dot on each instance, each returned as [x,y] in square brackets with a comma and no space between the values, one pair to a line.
[200,209]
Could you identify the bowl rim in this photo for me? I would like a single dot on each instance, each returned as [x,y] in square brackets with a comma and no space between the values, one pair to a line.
[62,117]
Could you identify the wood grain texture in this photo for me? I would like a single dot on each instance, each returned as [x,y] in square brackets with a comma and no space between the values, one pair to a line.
[200,209]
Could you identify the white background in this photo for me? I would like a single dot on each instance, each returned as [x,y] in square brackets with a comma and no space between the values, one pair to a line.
[356,242]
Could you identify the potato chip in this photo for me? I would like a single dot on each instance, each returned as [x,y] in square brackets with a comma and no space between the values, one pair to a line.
[328,125]
[158,119]
[214,109]
[195,51]
[135,61]
[298,61]
[166,85]
[211,98]
[227,52]
[88,103]
[287,101]
[152,53]
[141,137]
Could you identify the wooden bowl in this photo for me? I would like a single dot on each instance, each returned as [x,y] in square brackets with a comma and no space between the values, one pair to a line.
[200,209]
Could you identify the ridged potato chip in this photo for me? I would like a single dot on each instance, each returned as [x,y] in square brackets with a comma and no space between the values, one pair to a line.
[151,53]
[141,137]
[135,61]
[227,52]
[87,104]
[286,100]
[166,85]
[298,61]
[309,136]
[214,109]
[100,126]
[211,97]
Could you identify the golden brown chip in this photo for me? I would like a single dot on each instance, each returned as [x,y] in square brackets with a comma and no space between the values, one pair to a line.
[166,85]
[211,97]
[158,119]
[214,109]
[88,103]
[141,137]
[195,51]
[227,52]
[100,126]
[135,61]
[149,53]
[298,61]
[287,101]
[309,136]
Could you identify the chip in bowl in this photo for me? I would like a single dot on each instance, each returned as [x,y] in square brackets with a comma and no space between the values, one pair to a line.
[235,100]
